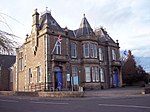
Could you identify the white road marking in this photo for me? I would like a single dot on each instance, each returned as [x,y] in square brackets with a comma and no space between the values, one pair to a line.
[127,106]
[52,103]
[11,101]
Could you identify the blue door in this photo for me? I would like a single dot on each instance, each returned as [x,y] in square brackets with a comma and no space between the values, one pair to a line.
[115,78]
[58,78]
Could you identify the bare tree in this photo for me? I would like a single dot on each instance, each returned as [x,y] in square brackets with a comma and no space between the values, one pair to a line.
[7,40]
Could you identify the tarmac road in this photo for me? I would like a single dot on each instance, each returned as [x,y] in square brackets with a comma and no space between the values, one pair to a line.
[136,103]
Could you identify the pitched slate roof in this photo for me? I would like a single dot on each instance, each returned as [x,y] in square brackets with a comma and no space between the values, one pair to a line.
[84,29]
[105,37]
[7,60]
[47,18]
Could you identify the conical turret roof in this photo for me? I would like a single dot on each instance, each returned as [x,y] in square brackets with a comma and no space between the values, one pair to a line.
[84,29]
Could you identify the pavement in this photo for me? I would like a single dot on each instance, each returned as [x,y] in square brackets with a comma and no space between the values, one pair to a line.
[107,100]
[107,93]
[114,92]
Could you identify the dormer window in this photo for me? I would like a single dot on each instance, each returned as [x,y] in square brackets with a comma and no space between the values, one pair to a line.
[53,23]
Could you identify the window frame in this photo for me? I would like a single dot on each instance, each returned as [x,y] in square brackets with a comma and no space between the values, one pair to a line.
[38,73]
[102,75]
[73,50]
[86,50]
[30,75]
[95,50]
[114,57]
[21,62]
[95,75]
[87,74]
[58,48]
[100,54]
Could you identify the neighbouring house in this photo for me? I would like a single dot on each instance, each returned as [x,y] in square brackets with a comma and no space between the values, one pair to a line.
[59,58]
[6,78]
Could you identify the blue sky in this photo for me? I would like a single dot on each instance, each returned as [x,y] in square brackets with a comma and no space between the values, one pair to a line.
[125,20]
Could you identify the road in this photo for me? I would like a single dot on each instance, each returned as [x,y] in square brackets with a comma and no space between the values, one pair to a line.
[139,103]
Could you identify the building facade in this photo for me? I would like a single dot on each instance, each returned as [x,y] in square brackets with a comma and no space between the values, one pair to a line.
[58,58]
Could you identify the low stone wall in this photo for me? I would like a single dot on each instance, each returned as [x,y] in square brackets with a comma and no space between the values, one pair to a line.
[7,93]
[61,94]
[57,94]
[18,93]
[146,90]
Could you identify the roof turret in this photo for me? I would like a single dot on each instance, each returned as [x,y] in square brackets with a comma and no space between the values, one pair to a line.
[84,29]
[47,19]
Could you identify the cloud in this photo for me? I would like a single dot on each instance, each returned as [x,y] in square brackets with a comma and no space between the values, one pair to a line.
[125,20]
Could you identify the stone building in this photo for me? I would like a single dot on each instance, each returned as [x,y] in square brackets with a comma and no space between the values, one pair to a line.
[58,58]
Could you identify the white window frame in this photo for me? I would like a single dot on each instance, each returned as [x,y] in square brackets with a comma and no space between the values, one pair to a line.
[73,50]
[87,74]
[113,55]
[58,48]
[21,62]
[95,75]
[30,75]
[100,54]
[38,74]
[86,49]
[74,71]
[95,50]
[102,75]
[92,50]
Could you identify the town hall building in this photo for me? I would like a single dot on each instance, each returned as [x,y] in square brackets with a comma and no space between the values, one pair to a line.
[56,58]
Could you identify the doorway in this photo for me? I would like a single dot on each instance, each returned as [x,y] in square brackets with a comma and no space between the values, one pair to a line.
[115,78]
[58,78]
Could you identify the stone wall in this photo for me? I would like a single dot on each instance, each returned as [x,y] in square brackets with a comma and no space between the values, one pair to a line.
[61,94]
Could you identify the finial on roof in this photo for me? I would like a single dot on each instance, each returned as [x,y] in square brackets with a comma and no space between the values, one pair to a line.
[46,8]
[117,41]
[35,10]
[47,11]
[84,15]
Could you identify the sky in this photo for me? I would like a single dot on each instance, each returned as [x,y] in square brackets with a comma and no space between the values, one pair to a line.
[125,20]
